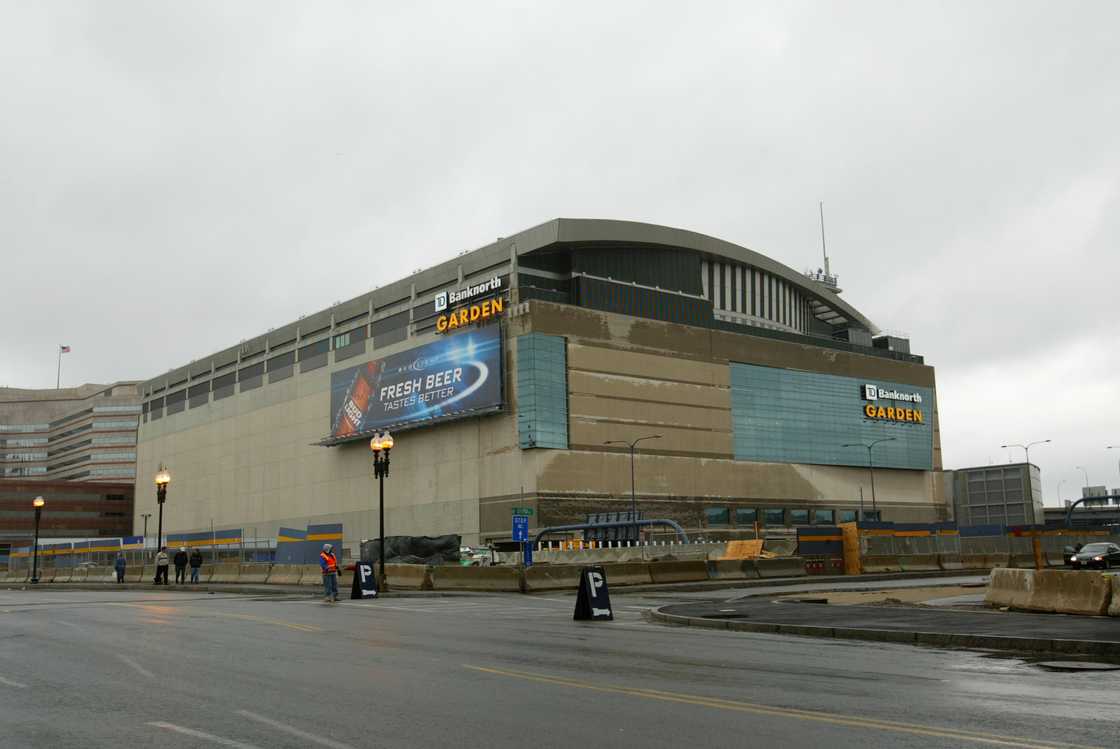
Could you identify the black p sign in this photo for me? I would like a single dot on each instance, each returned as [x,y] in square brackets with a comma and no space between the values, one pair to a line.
[593,601]
[365,583]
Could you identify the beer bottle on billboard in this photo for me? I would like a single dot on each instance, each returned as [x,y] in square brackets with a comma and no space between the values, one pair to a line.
[354,405]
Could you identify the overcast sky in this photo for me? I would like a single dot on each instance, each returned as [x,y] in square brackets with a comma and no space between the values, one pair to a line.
[175,177]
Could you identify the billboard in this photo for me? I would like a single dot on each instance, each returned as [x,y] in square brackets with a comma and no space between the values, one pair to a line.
[457,376]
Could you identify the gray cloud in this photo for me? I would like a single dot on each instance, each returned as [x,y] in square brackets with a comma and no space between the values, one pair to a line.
[180,176]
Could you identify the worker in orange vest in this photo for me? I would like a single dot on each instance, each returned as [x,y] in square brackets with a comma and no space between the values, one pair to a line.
[328,562]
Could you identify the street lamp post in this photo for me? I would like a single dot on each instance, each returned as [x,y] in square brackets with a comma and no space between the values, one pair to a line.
[1027,448]
[1086,474]
[633,491]
[381,444]
[871,467]
[145,515]
[163,478]
[1060,482]
[37,503]
[1027,451]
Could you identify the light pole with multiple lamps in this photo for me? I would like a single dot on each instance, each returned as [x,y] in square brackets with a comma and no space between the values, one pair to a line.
[381,444]
[1027,453]
[1086,474]
[163,478]
[37,503]
[633,491]
[871,467]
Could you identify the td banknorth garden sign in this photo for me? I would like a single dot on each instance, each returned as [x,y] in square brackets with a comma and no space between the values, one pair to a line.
[906,414]
[472,313]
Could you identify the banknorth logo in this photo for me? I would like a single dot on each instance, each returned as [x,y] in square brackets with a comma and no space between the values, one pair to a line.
[874,393]
[444,299]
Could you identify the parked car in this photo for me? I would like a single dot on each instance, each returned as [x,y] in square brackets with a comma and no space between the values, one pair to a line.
[1101,556]
[476,556]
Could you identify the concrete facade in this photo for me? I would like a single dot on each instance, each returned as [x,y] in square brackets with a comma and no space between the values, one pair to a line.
[252,461]
[83,433]
[242,431]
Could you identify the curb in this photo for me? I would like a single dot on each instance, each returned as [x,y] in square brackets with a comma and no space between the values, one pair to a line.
[771,582]
[928,639]
[309,591]
[266,589]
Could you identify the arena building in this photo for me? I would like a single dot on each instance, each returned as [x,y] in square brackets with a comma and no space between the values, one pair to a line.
[513,375]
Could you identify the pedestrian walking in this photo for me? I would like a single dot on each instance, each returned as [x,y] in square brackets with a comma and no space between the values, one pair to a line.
[181,565]
[328,562]
[161,565]
[119,565]
[196,565]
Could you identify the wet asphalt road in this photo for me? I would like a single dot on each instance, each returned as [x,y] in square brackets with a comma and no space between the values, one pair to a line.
[93,669]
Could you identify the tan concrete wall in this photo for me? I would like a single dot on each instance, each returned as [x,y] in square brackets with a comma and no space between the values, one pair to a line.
[249,460]
[630,377]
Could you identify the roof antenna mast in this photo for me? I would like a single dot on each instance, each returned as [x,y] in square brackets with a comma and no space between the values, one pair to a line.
[824,247]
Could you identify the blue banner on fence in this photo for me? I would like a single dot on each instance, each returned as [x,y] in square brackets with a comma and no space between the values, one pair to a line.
[291,546]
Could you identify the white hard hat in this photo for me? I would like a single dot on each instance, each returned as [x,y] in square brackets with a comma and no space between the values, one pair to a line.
[326,547]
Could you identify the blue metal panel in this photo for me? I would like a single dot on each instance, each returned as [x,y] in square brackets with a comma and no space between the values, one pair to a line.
[787,416]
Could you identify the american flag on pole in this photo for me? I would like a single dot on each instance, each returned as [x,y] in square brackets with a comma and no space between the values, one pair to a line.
[64,349]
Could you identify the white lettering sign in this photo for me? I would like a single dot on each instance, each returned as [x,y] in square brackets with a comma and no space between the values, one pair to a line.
[445,299]
[874,392]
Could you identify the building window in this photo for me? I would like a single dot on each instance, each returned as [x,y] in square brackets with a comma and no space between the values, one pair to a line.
[799,517]
[775,517]
[542,391]
[824,517]
[717,516]
[746,516]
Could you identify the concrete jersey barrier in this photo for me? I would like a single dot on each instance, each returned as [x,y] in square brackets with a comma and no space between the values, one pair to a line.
[1069,592]
[225,572]
[950,561]
[737,569]
[779,567]
[542,577]
[455,577]
[312,574]
[1011,588]
[676,572]
[253,573]
[626,573]
[408,576]
[285,574]
[881,563]
[1114,605]
[920,563]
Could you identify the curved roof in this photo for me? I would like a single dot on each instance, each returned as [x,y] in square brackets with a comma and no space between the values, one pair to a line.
[563,230]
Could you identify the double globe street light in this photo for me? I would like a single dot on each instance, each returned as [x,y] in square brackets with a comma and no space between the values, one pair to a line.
[380,445]
[37,503]
[163,478]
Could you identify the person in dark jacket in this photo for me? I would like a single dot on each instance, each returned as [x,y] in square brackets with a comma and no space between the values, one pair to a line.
[181,565]
[119,565]
[196,564]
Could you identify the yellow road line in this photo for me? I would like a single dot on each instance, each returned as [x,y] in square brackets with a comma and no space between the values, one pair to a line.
[246,617]
[265,620]
[812,715]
